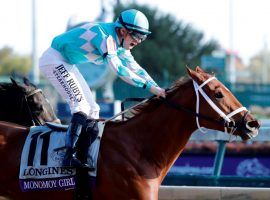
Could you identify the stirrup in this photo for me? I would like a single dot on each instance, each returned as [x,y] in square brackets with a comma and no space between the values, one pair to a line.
[75,162]
[78,164]
[71,160]
[91,167]
[88,167]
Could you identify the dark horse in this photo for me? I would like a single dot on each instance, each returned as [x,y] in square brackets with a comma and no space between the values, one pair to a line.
[135,155]
[24,104]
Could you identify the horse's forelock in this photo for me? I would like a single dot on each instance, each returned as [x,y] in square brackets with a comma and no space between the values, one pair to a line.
[29,88]
[28,84]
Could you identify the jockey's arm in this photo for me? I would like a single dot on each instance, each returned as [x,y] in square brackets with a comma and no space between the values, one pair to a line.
[122,71]
[126,74]
[136,68]
[132,78]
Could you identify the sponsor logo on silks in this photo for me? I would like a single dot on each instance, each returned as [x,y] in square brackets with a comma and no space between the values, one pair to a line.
[68,83]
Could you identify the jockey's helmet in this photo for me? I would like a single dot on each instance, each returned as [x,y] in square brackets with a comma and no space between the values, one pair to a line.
[135,22]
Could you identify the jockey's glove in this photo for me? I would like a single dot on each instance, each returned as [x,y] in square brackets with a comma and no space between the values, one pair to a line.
[160,92]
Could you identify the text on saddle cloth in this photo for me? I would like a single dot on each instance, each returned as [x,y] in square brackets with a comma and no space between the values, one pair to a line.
[42,156]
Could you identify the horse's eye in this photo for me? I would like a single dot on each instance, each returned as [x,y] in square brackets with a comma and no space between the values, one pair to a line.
[219,95]
[30,100]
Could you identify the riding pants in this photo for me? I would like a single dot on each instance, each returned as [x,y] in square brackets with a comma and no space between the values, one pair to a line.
[69,83]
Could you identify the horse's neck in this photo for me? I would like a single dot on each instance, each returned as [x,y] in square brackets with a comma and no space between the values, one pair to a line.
[157,138]
[166,131]
[10,105]
[171,127]
[13,110]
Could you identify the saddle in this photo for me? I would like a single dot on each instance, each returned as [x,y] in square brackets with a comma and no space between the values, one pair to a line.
[57,127]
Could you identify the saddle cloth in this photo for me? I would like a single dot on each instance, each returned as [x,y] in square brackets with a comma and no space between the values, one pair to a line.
[41,160]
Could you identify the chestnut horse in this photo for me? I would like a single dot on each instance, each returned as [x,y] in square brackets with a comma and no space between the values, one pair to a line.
[24,104]
[135,155]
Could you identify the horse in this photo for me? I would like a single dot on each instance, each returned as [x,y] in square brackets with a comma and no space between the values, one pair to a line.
[136,154]
[25,104]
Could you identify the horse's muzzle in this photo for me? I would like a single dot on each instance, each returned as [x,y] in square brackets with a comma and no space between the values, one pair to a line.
[250,130]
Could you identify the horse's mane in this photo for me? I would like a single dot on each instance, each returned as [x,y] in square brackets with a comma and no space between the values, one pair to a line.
[153,103]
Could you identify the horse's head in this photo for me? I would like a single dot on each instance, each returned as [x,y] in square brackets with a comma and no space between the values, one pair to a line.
[217,108]
[34,104]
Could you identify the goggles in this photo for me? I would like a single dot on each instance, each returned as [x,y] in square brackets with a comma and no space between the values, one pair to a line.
[137,36]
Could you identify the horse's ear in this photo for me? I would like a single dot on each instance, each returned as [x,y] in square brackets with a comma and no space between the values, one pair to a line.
[14,82]
[189,71]
[26,81]
[199,70]
[195,75]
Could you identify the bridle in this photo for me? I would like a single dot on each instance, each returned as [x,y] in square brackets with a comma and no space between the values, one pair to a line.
[230,126]
[228,120]
[34,118]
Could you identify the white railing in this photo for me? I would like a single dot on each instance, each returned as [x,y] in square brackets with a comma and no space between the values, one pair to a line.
[221,193]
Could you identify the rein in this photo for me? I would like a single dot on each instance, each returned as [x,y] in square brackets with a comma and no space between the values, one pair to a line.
[232,125]
[34,118]
[227,121]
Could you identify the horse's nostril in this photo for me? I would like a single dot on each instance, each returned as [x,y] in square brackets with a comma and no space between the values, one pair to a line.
[254,124]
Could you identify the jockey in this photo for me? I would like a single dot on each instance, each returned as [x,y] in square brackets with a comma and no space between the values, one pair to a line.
[98,43]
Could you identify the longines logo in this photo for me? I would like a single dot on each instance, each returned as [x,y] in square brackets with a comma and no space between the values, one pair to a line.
[44,171]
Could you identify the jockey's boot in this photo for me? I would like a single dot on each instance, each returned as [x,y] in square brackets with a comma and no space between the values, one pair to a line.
[91,130]
[73,133]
